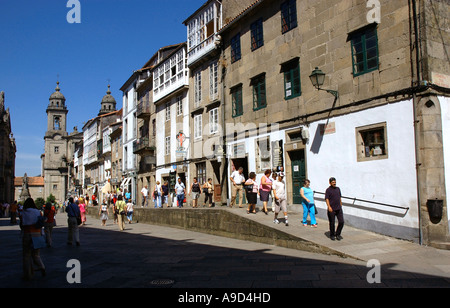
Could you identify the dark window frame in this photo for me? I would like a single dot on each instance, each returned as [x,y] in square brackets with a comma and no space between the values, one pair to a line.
[236,48]
[288,15]
[257,34]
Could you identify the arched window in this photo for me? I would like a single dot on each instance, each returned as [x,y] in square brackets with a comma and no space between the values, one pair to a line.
[56,123]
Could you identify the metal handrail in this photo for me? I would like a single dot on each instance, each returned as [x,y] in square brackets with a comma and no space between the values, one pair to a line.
[368,201]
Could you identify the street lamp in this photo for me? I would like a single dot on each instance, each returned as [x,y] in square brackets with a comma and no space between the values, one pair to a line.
[317,79]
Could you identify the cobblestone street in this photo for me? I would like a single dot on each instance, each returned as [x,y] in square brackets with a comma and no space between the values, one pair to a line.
[149,256]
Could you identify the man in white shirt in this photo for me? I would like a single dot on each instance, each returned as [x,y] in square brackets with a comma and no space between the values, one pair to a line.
[180,191]
[144,193]
[279,194]
[237,179]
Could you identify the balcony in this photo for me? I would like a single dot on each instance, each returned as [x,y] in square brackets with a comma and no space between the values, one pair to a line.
[143,110]
[202,49]
[143,146]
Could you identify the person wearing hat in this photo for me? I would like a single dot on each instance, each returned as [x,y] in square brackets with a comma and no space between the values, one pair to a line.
[333,198]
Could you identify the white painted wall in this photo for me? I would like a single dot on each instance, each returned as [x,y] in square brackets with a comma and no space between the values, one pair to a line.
[392,180]
[445,111]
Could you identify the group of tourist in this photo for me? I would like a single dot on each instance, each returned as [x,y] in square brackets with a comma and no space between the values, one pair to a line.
[274,186]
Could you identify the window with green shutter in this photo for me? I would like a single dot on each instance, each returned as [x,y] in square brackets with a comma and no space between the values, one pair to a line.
[259,92]
[364,50]
[292,85]
[236,99]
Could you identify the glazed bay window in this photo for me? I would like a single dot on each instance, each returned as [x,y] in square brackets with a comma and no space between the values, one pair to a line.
[291,71]
[259,92]
[364,50]
[371,142]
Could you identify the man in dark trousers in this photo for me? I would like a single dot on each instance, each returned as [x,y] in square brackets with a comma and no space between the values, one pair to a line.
[334,204]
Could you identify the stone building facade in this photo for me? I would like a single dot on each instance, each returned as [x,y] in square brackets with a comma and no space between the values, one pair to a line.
[364,134]
[59,148]
[7,153]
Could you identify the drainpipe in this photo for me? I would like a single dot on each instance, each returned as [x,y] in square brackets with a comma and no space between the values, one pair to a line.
[416,122]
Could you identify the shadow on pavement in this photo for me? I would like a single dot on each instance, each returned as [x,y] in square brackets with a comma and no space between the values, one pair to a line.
[113,259]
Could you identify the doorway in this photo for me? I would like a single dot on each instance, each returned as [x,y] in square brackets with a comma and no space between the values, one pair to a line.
[298,169]
[237,163]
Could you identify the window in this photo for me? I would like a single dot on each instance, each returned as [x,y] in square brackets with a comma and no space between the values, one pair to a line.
[167,146]
[236,48]
[167,112]
[56,150]
[259,92]
[56,123]
[288,15]
[179,106]
[263,154]
[213,78]
[371,142]
[291,72]
[214,120]
[236,99]
[198,126]
[201,173]
[364,50]
[256,29]
[197,88]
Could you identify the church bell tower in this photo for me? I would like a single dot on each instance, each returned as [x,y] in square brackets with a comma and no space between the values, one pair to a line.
[55,163]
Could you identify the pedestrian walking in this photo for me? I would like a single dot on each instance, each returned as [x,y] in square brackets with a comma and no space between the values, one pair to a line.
[165,194]
[307,195]
[130,206]
[73,216]
[13,212]
[180,191]
[333,198]
[49,214]
[238,179]
[208,190]
[83,210]
[274,179]
[251,190]
[144,193]
[195,191]
[157,193]
[31,233]
[279,195]
[265,188]
[103,212]
[121,210]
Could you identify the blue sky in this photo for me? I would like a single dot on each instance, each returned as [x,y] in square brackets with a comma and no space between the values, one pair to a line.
[114,38]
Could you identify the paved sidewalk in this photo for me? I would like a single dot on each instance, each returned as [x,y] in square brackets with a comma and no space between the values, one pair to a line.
[364,245]
[146,255]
